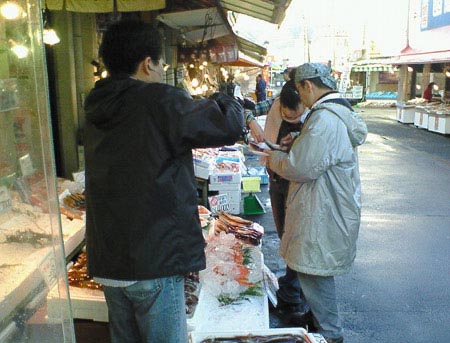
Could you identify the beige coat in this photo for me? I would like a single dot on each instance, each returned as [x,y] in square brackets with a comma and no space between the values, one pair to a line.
[323,206]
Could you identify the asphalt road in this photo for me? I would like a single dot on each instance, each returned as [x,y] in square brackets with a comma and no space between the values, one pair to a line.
[399,288]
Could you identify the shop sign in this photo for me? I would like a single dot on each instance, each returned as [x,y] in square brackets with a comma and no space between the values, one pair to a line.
[434,14]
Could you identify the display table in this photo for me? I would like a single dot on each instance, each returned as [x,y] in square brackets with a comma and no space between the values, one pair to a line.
[439,122]
[405,113]
[421,117]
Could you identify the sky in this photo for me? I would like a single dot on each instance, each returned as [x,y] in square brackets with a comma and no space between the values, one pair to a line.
[327,24]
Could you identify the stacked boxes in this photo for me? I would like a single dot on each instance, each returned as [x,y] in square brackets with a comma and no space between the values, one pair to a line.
[229,184]
[226,178]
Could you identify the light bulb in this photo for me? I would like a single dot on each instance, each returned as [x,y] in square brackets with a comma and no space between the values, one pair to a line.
[20,50]
[194,82]
[50,37]
[10,10]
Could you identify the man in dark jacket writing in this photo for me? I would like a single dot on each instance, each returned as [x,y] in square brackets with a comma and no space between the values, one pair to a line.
[142,228]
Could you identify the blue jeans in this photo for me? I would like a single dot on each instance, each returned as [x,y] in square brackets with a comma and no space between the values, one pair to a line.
[148,311]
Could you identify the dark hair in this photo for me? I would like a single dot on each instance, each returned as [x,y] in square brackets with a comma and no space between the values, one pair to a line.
[126,43]
[292,74]
[289,96]
[316,81]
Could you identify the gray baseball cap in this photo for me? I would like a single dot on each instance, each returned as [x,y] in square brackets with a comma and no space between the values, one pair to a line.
[312,70]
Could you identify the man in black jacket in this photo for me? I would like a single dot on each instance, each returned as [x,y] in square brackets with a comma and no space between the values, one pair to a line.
[142,228]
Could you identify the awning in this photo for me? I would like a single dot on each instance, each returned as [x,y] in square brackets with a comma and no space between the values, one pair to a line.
[105,6]
[197,25]
[248,52]
[209,25]
[270,11]
[422,58]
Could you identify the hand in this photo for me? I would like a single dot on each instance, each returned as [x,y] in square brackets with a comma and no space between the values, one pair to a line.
[256,131]
[287,141]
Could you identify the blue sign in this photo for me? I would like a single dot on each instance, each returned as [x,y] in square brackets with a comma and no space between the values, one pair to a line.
[434,14]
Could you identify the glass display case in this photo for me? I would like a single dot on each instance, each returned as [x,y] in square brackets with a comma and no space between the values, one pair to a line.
[34,238]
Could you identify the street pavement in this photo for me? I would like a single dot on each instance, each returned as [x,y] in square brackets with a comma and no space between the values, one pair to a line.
[399,288]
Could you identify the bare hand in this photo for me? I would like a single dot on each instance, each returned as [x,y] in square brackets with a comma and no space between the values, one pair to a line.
[287,141]
[256,131]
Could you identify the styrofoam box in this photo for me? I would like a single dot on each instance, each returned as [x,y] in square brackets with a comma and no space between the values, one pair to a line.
[439,123]
[235,207]
[225,187]
[197,337]
[225,178]
[233,196]
[421,119]
[201,172]
[405,114]
[86,304]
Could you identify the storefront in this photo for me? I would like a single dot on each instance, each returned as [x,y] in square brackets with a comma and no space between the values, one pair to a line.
[425,59]
[41,215]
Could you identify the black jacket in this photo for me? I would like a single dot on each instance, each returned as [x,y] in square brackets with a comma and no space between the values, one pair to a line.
[142,218]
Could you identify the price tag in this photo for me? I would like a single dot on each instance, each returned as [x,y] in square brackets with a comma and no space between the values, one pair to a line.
[219,203]
[5,199]
[26,165]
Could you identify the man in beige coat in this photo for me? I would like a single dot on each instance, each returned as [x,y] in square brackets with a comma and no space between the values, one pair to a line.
[323,206]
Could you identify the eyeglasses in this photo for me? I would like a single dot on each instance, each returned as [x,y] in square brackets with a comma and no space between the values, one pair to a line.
[165,66]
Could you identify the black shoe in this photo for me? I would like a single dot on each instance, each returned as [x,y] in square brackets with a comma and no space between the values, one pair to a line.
[304,320]
[334,340]
[287,308]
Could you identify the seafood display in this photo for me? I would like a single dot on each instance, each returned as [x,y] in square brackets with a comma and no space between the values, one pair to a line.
[191,292]
[75,200]
[282,338]
[243,229]
[231,273]
[78,275]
